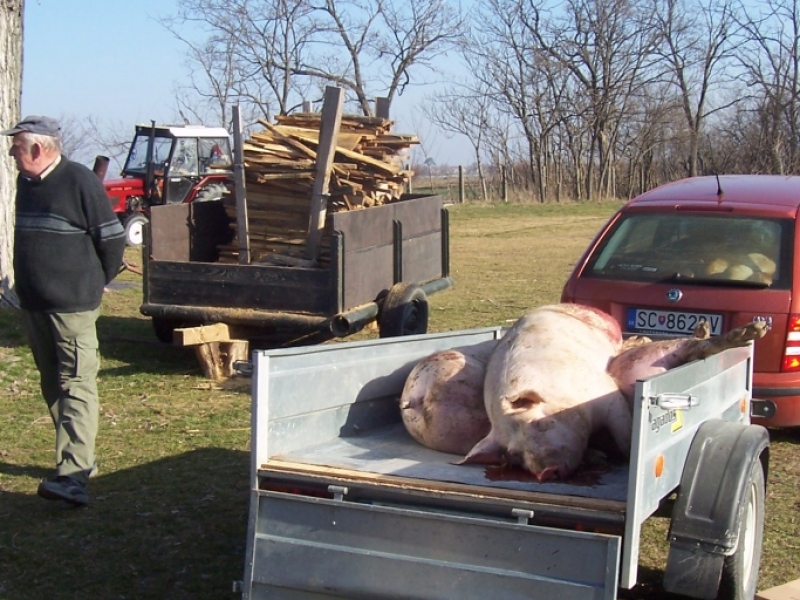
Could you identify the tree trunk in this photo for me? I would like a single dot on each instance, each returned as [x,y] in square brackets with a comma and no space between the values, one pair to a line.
[10,93]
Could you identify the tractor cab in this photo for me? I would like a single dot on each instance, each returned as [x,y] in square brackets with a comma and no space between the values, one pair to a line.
[169,164]
[174,162]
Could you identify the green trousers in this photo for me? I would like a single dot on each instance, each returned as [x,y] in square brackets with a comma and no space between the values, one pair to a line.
[65,349]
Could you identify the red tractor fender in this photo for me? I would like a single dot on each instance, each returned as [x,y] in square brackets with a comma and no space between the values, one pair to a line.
[119,190]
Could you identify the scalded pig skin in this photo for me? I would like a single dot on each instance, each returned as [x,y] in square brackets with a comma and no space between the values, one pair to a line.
[656,357]
[442,401]
[547,389]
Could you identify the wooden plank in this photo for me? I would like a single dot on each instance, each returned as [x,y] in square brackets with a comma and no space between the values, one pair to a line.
[243,233]
[289,140]
[382,106]
[191,336]
[378,165]
[329,129]
[265,287]
[169,233]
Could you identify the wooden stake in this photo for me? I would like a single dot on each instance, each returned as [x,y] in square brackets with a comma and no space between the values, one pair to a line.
[329,130]
[243,232]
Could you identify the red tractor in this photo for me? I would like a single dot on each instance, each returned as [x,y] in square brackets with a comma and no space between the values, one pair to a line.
[169,164]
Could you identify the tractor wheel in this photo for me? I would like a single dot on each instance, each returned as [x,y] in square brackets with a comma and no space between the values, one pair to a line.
[134,229]
[212,191]
[404,311]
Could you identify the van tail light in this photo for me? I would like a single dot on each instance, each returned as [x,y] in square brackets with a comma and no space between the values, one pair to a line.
[791,354]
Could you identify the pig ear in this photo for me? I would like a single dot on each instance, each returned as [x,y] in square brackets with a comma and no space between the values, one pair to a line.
[525,400]
[486,452]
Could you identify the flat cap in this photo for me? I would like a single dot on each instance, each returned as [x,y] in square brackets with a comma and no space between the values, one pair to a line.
[34,124]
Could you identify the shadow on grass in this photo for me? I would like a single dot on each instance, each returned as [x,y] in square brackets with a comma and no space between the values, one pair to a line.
[131,341]
[174,528]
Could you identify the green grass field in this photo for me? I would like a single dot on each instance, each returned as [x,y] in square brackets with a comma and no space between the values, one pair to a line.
[168,513]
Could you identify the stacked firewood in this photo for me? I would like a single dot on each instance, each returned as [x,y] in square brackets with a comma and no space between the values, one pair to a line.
[280,167]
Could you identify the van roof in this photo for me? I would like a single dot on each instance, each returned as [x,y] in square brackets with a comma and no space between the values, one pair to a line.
[777,191]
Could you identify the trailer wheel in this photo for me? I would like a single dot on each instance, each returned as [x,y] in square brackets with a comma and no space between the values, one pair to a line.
[404,311]
[134,229]
[164,328]
[740,570]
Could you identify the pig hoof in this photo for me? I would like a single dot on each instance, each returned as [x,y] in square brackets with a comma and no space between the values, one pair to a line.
[702,331]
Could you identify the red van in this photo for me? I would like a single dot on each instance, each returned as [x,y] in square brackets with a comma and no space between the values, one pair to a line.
[716,249]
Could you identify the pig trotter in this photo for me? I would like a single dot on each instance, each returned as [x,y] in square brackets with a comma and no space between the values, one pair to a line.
[733,339]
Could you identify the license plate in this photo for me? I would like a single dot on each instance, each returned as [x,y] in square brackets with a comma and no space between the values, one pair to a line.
[642,320]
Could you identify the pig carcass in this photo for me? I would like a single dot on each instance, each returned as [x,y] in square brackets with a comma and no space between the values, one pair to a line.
[442,400]
[655,357]
[547,389]
[534,397]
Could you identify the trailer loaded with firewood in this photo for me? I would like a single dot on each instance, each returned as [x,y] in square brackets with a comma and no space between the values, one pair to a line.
[316,239]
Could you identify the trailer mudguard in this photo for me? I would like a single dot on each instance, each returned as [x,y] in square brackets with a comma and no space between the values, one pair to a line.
[704,528]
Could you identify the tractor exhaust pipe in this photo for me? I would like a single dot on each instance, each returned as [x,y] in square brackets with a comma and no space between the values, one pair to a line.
[101,166]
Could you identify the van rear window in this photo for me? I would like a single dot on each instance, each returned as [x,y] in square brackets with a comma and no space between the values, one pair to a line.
[697,248]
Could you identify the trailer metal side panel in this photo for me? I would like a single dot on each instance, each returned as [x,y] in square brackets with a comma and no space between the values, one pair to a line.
[319,548]
[412,227]
[306,396]
[340,509]
[302,546]
[659,434]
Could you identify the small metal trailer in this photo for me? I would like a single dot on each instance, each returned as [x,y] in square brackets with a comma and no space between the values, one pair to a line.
[344,504]
[383,263]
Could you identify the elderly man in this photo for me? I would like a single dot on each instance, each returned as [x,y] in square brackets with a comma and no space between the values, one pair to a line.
[68,245]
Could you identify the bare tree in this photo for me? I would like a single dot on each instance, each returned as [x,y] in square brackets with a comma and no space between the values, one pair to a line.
[278,53]
[10,93]
[251,54]
[770,56]
[466,113]
[695,43]
[607,47]
[525,84]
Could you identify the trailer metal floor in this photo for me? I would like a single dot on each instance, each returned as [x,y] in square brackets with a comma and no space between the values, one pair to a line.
[391,451]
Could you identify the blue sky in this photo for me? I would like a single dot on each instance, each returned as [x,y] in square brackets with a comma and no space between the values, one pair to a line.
[106,58]
[113,60]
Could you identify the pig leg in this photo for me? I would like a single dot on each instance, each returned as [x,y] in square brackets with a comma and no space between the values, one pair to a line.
[633,342]
[702,331]
[733,339]
[486,452]
[613,412]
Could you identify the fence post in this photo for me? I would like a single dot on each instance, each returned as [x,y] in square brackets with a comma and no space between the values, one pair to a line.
[503,182]
[460,184]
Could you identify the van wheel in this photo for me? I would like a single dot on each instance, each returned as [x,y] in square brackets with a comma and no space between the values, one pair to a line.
[134,229]
[404,311]
[740,570]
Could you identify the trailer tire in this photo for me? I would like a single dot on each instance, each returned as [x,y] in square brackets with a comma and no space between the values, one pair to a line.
[404,311]
[740,570]
[134,229]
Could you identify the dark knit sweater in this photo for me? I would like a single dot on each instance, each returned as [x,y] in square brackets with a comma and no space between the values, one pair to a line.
[68,243]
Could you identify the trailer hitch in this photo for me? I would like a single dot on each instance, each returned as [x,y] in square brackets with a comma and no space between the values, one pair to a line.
[243,367]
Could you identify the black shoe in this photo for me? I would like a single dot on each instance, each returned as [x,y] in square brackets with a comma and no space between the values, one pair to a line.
[64,488]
